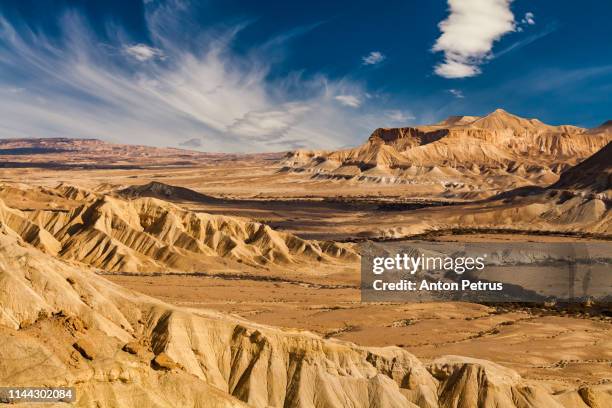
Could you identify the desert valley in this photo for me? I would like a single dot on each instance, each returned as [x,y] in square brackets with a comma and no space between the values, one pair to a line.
[163,277]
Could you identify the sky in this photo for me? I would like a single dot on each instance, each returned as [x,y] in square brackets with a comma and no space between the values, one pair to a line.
[251,76]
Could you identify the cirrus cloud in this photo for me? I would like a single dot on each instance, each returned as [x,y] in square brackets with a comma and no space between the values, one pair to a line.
[349,100]
[191,88]
[398,117]
[142,52]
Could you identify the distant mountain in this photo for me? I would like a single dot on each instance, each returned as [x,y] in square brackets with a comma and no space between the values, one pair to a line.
[65,144]
[94,153]
[463,153]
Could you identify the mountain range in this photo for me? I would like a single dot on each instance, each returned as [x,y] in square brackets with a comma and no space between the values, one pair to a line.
[462,156]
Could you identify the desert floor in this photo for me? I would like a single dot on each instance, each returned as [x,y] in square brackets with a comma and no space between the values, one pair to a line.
[566,346]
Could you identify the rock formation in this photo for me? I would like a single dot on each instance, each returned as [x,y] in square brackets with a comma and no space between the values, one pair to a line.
[151,235]
[463,154]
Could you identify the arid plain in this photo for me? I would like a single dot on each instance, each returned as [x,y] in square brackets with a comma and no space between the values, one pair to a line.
[260,252]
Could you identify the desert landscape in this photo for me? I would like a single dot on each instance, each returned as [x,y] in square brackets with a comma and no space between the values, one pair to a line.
[163,277]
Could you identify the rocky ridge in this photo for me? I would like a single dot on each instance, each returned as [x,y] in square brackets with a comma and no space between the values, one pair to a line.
[463,154]
[150,235]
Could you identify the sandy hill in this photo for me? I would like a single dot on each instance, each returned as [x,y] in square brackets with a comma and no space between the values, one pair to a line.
[579,201]
[592,175]
[151,235]
[165,191]
[462,153]
[578,204]
[63,325]
[547,211]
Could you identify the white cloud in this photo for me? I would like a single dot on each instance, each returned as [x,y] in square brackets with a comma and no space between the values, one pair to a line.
[373,58]
[457,93]
[468,34]
[143,52]
[349,100]
[455,69]
[199,91]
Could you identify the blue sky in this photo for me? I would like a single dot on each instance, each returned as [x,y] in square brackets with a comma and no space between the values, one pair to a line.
[274,75]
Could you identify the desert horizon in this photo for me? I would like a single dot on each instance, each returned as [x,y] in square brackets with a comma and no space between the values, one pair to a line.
[230,204]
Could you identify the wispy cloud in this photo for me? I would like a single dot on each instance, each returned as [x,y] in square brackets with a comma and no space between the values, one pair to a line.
[549,29]
[192,87]
[457,93]
[468,34]
[260,125]
[349,100]
[142,52]
[557,80]
[373,58]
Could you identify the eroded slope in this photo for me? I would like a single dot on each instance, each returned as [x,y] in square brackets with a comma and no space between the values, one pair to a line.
[62,325]
[150,235]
